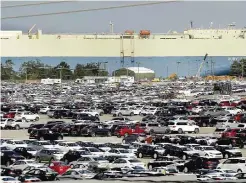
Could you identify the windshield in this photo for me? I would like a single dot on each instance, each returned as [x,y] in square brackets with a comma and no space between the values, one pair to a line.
[123,151]
[186,149]
[72,144]
[208,148]
[99,158]
[19,142]
[84,171]
[30,149]
[56,152]
[94,150]
[45,143]
[134,161]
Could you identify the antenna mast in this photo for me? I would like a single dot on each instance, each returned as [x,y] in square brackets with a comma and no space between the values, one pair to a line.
[111,27]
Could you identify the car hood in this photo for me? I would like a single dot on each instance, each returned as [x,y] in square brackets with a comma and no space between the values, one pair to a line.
[213,152]
[233,151]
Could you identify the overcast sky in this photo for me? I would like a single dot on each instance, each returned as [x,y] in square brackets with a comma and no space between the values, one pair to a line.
[157,18]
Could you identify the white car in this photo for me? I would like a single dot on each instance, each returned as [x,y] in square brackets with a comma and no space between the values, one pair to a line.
[182,126]
[8,179]
[18,124]
[44,110]
[27,116]
[66,146]
[87,111]
[208,151]
[126,162]
[12,144]
[233,110]
[98,161]
[137,110]
[22,164]
[4,122]
[226,171]
[94,151]
[38,145]
[236,164]
[197,109]
[121,151]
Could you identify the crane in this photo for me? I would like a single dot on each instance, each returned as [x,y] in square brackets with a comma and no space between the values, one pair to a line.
[200,68]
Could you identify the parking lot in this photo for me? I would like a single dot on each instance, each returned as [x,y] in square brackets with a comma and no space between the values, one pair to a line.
[87,116]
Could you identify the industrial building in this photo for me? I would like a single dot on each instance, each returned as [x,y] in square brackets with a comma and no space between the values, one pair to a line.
[142,73]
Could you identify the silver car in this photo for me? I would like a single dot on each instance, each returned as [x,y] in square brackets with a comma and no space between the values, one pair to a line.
[49,155]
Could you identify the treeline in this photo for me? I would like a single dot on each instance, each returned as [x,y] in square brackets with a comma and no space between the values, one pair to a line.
[238,68]
[35,69]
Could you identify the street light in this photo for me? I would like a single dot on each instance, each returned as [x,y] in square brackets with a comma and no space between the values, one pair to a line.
[138,63]
[178,62]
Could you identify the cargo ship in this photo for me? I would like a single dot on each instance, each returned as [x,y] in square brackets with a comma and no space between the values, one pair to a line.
[165,53]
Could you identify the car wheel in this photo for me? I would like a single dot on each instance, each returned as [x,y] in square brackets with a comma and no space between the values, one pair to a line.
[140,155]
[24,119]
[41,138]
[97,115]
[123,141]
[109,134]
[196,131]
[38,159]
[226,156]
[131,114]
[155,156]
[51,159]
[93,134]
[126,134]
[66,161]
[101,113]
[186,170]
[152,132]
[150,167]
[119,114]
[71,165]
[8,163]
[204,124]
[180,131]
[184,157]
[37,118]
[17,127]
[239,171]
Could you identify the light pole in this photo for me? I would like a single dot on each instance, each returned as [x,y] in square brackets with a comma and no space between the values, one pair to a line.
[138,63]
[178,62]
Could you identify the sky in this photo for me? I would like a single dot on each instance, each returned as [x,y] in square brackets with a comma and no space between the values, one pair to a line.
[157,18]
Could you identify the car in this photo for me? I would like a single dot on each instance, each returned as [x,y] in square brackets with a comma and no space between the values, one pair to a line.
[208,151]
[153,151]
[228,151]
[45,134]
[232,141]
[49,155]
[126,162]
[183,126]
[236,164]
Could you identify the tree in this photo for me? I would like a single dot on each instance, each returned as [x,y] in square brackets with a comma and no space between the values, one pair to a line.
[173,76]
[32,69]
[90,69]
[238,68]
[7,71]
[63,70]
[123,72]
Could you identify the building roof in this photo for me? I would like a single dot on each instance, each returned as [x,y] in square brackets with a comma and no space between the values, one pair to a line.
[140,70]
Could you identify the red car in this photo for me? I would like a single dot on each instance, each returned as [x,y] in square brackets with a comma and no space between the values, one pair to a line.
[230,132]
[128,130]
[228,103]
[59,167]
[9,115]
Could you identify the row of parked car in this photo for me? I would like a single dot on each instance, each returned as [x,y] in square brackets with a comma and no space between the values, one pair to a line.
[57,159]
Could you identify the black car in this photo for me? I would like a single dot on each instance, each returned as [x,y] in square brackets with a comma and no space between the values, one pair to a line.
[134,138]
[45,134]
[73,155]
[150,150]
[228,151]
[159,162]
[232,141]
[179,151]
[41,174]
[63,113]
[34,127]
[9,157]
[200,163]
[5,171]
[85,116]
[96,131]
[23,151]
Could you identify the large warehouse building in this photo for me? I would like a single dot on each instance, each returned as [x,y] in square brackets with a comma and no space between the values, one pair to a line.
[142,73]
